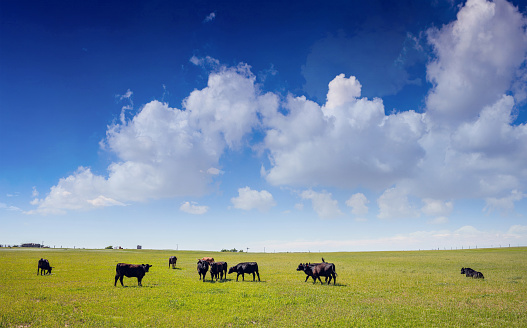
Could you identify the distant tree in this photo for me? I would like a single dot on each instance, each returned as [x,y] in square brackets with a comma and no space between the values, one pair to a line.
[109,247]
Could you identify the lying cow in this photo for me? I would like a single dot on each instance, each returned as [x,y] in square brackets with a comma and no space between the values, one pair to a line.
[217,269]
[468,272]
[203,267]
[317,270]
[243,268]
[130,270]
[172,261]
[44,267]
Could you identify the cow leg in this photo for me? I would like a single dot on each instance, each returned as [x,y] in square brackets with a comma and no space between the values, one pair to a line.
[254,276]
[139,281]
[117,278]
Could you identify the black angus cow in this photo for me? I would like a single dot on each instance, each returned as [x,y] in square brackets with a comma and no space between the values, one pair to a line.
[203,267]
[44,267]
[308,273]
[130,270]
[317,270]
[468,272]
[217,269]
[172,261]
[243,268]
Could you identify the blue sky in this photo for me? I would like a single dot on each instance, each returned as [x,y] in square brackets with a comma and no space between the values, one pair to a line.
[284,126]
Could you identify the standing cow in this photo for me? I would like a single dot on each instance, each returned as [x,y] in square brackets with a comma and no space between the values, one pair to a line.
[44,267]
[217,269]
[172,261]
[203,267]
[130,270]
[243,268]
[317,270]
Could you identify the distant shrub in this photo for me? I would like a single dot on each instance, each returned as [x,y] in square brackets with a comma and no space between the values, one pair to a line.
[109,247]
[234,250]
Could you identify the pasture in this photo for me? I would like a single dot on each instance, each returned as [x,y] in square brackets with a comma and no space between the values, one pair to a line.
[374,289]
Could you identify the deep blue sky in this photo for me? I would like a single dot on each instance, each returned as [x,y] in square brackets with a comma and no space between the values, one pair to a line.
[421,143]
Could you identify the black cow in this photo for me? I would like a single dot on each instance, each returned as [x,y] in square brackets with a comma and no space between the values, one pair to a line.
[468,272]
[218,269]
[308,273]
[203,267]
[317,270]
[130,270]
[172,261]
[44,267]
[243,268]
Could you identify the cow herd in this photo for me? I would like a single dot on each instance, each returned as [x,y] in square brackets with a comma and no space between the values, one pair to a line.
[219,270]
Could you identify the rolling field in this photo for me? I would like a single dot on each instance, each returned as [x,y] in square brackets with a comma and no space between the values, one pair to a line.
[374,289]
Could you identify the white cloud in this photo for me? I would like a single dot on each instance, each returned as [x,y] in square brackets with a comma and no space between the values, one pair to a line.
[323,204]
[210,17]
[358,203]
[35,192]
[9,207]
[167,152]
[102,201]
[394,204]
[249,199]
[439,208]
[464,237]
[347,144]
[477,59]
[464,145]
[504,204]
[193,208]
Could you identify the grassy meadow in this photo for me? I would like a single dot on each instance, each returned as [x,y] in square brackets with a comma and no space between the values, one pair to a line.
[374,289]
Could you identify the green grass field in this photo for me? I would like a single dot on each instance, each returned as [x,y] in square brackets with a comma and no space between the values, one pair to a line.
[374,289]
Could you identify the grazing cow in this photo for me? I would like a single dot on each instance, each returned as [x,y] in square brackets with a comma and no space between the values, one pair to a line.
[44,267]
[208,259]
[203,267]
[172,261]
[130,270]
[317,270]
[468,272]
[243,268]
[218,269]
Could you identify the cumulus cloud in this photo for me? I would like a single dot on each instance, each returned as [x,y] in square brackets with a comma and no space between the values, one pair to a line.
[434,207]
[358,203]
[354,142]
[193,208]
[394,204]
[504,204]
[249,199]
[167,152]
[477,57]
[323,204]
[465,143]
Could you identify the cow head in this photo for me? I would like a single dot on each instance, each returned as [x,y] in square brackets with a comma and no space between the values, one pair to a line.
[146,267]
[300,267]
[462,270]
[232,269]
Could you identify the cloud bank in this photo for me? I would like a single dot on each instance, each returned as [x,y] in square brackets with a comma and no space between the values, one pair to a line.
[465,144]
